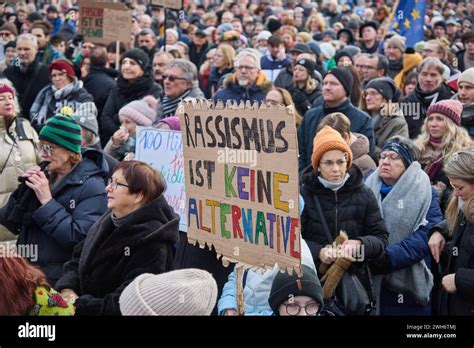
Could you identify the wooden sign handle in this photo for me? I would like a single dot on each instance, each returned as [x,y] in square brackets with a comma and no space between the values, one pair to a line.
[239,278]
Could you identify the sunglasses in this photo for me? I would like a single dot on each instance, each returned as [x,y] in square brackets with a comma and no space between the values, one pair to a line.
[173,78]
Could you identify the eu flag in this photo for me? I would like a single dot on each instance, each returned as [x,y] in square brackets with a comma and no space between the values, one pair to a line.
[408,20]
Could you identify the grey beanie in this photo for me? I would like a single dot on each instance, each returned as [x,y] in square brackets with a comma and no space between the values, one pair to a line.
[184,292]
[86,115]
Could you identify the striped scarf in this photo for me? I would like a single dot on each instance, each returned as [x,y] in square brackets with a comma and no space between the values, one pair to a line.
[169,106]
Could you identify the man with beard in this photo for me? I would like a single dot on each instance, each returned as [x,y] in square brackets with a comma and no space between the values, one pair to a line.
[429,90]
[248,82]
[28,76]
[160,60]
[146,42]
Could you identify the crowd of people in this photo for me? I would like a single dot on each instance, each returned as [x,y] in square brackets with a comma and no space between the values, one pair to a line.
[386,157]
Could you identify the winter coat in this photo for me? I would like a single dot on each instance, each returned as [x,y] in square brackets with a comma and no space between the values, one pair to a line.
[389,126]
[213,81]
[109,120]
[416,105]
[271,66]
[99,82]
[360,123]
[409,251]
[360,154]
[111,257]
[111,162]
[233,91]
[303,100]
[57,24]
[198,58]
[353,208]
[257,286]
[285,78]
[460,263]
[50,101]
[79,199]
[467,118]
[17,154]
[48,54]
[22,81]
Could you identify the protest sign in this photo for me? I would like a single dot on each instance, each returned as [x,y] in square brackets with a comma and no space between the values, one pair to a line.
[104,22]
[241,176]
[163,150]
[173,4]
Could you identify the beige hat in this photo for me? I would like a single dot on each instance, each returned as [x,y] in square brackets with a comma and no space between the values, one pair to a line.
[183,292]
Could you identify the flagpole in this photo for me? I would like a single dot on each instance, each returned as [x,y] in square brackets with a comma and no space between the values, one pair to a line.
[390,19]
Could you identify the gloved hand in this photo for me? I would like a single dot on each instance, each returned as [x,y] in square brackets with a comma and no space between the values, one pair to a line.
[334,275]
[381,265]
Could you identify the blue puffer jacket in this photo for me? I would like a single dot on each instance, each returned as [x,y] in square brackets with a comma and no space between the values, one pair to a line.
[78,201]
[360,123]
[233,91]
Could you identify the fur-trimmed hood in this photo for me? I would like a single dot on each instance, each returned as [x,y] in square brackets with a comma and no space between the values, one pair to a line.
[262,82]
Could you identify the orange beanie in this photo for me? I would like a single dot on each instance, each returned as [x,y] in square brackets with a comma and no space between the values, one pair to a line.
[328,139]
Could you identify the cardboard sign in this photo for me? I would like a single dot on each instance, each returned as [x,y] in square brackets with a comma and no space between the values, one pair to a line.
[163,150]
[103,22]
[173,4]
[242,182]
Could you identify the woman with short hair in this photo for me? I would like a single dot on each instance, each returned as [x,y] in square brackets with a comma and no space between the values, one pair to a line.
[135,236]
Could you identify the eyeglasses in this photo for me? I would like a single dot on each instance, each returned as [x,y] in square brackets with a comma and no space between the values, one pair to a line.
[114,184]
[391,157]
[46,149]
[5,34]
[338,163]
[294,309]
[173,78]
[246,67]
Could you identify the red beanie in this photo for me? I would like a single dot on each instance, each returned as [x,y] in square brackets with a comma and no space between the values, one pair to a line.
[4,88]
[450,108]
[62,65]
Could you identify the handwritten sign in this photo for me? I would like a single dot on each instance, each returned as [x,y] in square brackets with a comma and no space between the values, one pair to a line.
[163,150]
[242,182]
[104,22]
[173,4]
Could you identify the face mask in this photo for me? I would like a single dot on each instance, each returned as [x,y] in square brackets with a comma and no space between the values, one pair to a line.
[262,50]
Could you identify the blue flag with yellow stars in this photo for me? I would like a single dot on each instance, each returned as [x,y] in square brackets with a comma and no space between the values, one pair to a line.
[408,20]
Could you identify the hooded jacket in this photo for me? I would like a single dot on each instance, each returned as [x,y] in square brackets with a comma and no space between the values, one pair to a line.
[79,199]
[233,91]
[111,257]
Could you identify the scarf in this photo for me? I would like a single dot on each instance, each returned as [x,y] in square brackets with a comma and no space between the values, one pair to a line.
[137,89]
[403,213]
[169,105]
[385,190]
[395,66]
[427,98]
[436,165]
[334,186]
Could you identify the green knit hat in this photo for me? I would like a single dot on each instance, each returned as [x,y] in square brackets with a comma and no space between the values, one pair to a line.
[63,131]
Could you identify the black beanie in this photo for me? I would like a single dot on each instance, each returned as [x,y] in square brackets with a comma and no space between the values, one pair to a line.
[137,55]
[273,25]
[345,77]
[386,87]
[309,65]
[285,286]
[341,54]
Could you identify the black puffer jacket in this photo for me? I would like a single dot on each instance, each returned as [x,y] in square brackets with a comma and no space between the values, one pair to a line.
[111,257]
[98,83]
[459,255]
[353,209]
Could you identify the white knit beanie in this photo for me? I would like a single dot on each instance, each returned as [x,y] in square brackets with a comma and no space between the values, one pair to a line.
[183,292]
[467,76]
[142,112]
